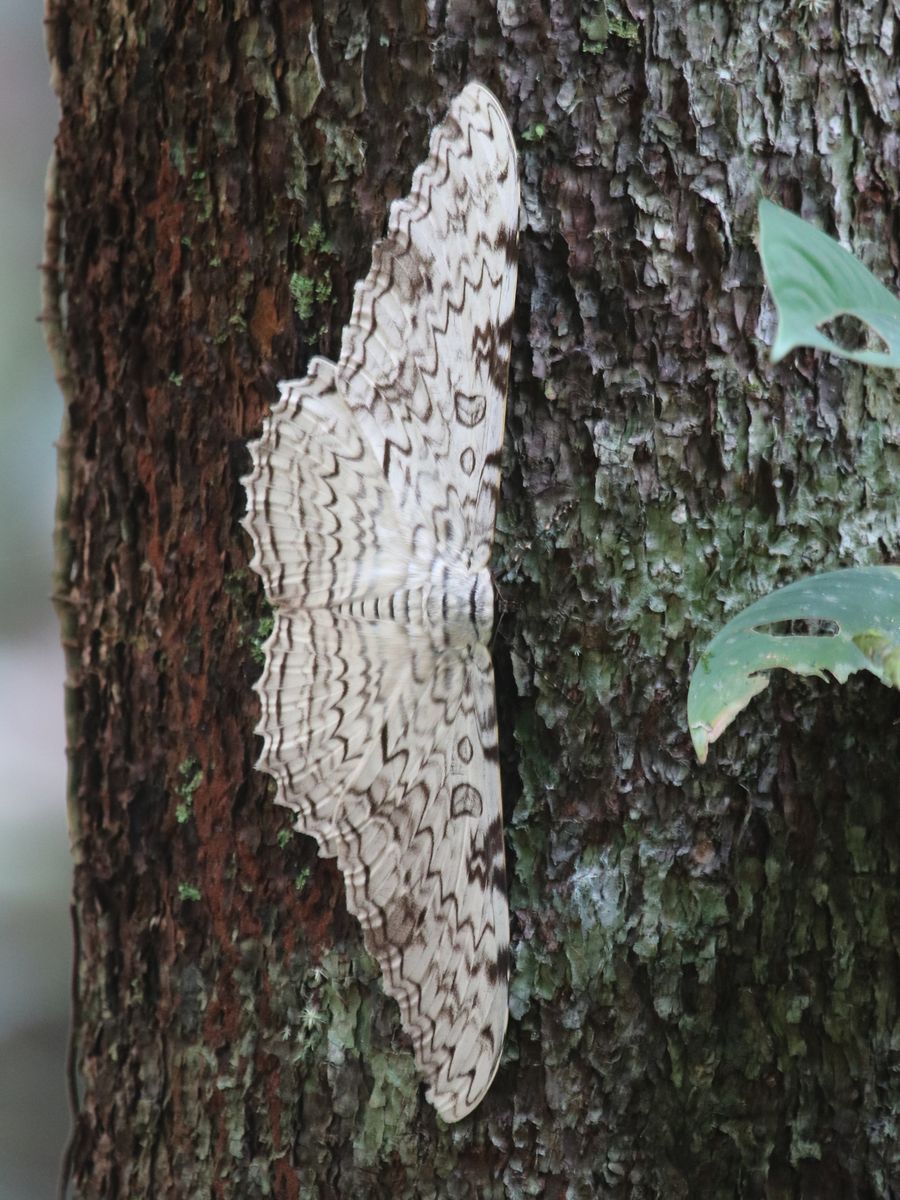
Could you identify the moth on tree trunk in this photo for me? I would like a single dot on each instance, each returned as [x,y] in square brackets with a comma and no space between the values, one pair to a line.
[371,506]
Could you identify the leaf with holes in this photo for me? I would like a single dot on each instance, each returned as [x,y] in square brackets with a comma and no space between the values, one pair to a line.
[813,280]
[850,621]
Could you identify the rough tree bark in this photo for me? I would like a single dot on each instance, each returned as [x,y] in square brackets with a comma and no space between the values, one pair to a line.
[705,982]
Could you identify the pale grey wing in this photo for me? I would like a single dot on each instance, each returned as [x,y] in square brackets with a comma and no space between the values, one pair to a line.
[324,524]
[387,752]
[419,838]
[327,686]
[425,356]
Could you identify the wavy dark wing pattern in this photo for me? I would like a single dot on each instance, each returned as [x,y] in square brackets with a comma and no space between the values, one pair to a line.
[371,506]
[425,357]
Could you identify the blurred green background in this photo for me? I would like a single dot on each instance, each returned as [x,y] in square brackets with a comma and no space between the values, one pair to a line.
[35,938]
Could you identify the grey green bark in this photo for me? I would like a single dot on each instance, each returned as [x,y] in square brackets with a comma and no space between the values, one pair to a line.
[705,981]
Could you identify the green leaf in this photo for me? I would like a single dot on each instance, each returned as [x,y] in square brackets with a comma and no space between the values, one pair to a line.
[859,606]
[813,280]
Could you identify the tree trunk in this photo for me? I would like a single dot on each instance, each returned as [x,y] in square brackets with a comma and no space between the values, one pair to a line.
[705,970]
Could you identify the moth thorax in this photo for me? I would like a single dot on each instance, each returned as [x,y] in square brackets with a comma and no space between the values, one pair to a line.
[462,603]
